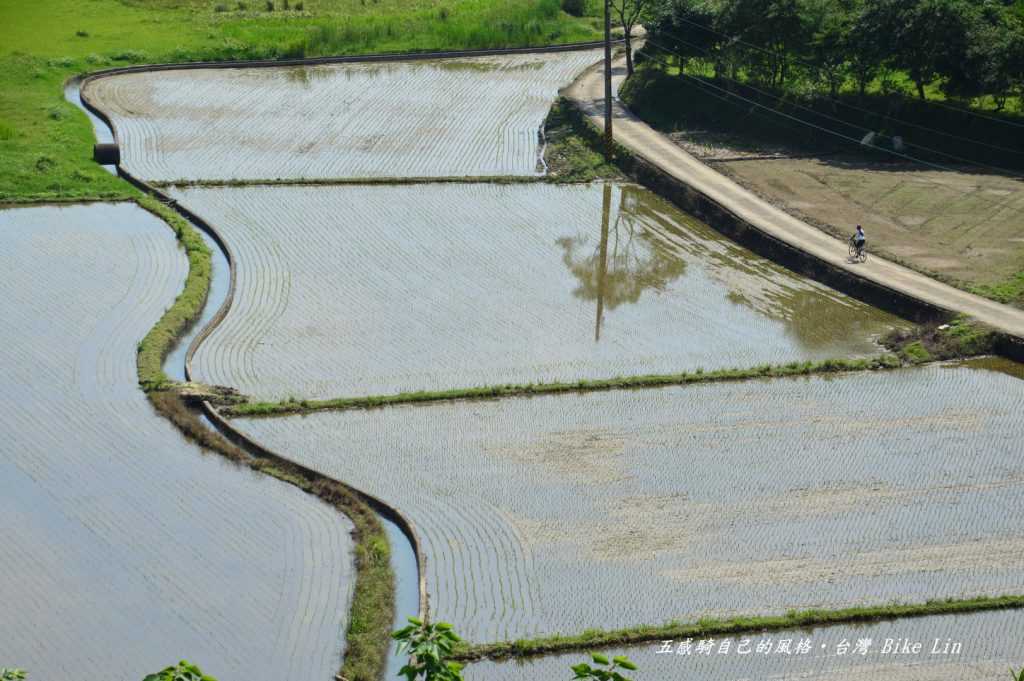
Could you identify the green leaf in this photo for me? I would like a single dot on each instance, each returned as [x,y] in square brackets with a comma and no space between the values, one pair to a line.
[625,663]
[598,658]
[582,670]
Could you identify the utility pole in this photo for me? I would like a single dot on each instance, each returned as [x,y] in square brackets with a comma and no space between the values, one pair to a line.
[602,271]
[607,81]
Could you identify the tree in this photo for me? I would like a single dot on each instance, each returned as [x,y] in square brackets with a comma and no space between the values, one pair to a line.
[991,63]
[772,29]
[629,13]
[429,646]
[830,24]
[686,28]
[608,671]
[928,37]
[865,49]
[183,671]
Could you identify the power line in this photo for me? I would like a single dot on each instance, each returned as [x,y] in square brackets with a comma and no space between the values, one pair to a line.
[848,124]
[728,93]
[737,39]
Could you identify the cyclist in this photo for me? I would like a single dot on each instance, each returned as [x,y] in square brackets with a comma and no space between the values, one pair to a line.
[859,240]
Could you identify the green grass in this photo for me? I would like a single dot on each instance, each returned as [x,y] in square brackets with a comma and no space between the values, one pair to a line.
[960,338]
[46,143]
[595,638]
[569,155]
[1009,292]
[829,366]
[371,616]
[154,348]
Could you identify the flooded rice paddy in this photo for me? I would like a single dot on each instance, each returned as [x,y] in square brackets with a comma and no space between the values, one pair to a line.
[356,290]
[465,117]
[989,647]
[719,499]
[125,547]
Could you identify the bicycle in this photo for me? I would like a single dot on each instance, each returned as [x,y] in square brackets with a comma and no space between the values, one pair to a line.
[857,253]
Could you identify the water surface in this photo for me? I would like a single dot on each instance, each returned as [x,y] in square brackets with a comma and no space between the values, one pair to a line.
[357,290]
[752,497]
[478,116]
[125,547]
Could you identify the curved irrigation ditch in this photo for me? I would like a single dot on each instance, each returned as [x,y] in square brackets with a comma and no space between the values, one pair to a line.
[396,524]
[195,342]
[120,535]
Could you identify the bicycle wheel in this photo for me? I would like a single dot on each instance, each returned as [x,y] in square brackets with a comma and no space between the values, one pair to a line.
[853,251]
[863,255]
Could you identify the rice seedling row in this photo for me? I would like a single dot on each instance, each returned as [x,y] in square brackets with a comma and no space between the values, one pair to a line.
[467,117]
[124,545]
[547,515]
[354,291]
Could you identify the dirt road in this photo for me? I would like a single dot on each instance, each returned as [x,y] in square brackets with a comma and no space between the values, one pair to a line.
[630,131]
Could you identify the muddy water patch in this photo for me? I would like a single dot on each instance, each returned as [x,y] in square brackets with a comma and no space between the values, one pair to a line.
[476,116]
[126,546]
[989,645]
[521,526]
[355,290]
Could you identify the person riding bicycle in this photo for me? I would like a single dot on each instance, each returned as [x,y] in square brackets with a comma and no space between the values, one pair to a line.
[859,239]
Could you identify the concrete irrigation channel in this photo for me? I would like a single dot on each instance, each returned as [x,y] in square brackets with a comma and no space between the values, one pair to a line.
[125,546]
[547,515]
[976,647]
[346,290]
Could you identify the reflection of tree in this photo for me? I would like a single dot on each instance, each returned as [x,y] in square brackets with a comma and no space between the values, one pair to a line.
[625,261]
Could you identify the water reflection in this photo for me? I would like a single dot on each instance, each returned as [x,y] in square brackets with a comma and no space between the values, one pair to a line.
[645,244]
[625,262]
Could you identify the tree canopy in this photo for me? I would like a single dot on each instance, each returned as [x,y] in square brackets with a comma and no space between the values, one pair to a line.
[968,48]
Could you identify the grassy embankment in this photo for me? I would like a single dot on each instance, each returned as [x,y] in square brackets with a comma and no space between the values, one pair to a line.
[596,638]
[570,157]
[370,620]
[829,366]
[961,225]
[45,142]
[960,338]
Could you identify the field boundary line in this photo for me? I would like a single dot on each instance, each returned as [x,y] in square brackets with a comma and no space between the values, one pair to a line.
[883,362]
[793,619]
[347,59]
[357,181]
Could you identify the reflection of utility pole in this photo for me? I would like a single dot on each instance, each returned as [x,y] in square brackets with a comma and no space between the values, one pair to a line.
[602,268]
[607,81]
